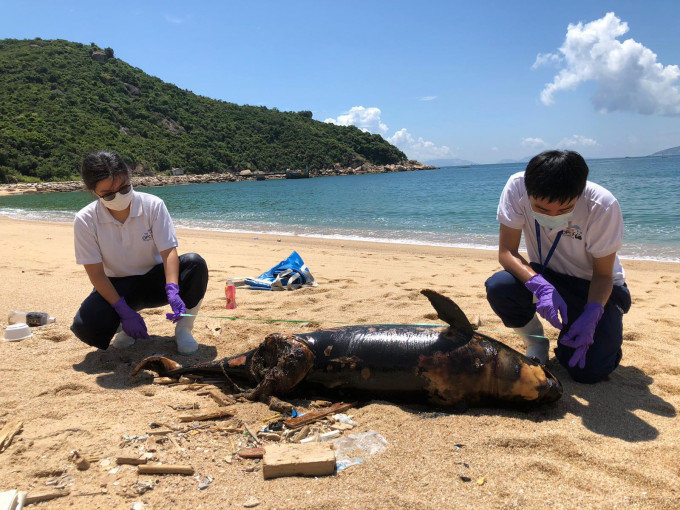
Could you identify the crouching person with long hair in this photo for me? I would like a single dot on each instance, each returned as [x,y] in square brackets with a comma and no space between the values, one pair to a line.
[126,242]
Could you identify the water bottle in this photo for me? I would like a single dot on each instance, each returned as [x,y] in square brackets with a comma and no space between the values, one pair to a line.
[30,318]
[230,294]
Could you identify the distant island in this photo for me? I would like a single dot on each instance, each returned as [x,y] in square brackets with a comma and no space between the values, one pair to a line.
[62,100]
[449,162]
[673,151]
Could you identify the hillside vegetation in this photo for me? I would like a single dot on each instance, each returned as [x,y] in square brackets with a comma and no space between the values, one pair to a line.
[60,100]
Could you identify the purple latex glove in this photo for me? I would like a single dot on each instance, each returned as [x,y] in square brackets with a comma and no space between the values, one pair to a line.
[549,300]
[580,334]
[132,322]
[176,303]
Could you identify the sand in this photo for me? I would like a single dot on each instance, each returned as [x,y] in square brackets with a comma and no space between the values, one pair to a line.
[611,445]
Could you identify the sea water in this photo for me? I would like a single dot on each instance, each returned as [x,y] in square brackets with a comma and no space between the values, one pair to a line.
[451,206]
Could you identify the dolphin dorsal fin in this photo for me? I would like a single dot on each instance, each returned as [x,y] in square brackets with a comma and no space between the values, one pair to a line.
[448,311]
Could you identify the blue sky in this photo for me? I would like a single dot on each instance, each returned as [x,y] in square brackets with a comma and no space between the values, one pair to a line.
[483,81]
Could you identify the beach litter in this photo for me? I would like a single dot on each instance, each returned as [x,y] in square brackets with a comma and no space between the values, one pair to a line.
[366,444]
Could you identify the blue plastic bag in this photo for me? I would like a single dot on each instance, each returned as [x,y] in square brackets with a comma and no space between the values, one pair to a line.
[289,274]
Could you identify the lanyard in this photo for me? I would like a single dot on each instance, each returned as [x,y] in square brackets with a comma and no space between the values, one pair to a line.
[552,248]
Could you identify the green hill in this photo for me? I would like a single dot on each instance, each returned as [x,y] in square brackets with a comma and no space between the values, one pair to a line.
[673,151]
[60,100]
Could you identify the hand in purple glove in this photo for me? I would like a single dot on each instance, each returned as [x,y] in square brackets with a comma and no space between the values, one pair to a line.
[549,300]
[580,334]
[132,322]
[176,303]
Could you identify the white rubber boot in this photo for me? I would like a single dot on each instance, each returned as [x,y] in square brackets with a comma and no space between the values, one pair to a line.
[186,344]
[537,345]
[122,340]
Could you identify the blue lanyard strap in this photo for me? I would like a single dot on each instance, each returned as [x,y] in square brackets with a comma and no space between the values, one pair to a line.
[552,248]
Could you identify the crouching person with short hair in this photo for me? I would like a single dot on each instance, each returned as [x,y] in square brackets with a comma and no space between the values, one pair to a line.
[573,278]
[127,244]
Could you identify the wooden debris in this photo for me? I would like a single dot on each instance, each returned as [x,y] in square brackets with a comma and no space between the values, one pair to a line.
[342,426]
[214,415]
[37,497]
[269,436]
[313,459]
[300,434]
[164,380]
[82,463]
[165,469]
[133,461]
[219,397]
[321,403]
[280,406]
[194,386]
[223,428]
[312,416]
[252,432]
[158,424]
[251,453]
[8,432]
[159,432]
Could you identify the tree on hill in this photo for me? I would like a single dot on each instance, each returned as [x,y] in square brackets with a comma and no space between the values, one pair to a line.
[60,100]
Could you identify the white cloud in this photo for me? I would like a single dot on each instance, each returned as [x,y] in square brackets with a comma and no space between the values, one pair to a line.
[576,141]
[543,59]
[368,119]
[627,74]
[534,143]
[419,149]
[428,98]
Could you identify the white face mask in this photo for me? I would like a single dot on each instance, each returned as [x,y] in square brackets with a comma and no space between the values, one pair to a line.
[552,222]
[120,201]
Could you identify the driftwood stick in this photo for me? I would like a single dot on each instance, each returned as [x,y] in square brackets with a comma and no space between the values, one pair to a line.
[37,497]
[134,461]
[165,469]
[214,415]
[312,416]
[219,397]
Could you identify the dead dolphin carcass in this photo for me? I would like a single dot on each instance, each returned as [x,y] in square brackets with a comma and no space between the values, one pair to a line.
[450,366]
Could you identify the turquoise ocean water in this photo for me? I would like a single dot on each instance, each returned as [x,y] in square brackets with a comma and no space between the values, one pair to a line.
[446,207]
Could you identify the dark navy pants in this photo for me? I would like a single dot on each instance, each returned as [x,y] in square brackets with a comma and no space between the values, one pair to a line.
[96,322]
[513,303]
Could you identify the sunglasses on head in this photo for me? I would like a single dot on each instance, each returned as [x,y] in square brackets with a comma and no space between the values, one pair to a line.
[110,196]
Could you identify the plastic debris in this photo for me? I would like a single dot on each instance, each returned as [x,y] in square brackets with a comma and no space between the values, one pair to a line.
[205,482]
[343,418]
[368,443]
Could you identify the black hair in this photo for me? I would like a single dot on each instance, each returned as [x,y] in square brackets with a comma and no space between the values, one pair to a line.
[556,176]
[101,165]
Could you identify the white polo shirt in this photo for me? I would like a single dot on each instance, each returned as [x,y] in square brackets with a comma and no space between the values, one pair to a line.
[125,249]
[595,229]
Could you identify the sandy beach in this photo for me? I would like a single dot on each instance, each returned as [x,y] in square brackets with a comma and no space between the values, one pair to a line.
[611,445]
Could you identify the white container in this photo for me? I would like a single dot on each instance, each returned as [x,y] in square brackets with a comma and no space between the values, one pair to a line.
[16,332]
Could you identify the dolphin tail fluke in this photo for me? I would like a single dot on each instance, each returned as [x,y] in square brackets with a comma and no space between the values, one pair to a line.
[448,311]
[164,367]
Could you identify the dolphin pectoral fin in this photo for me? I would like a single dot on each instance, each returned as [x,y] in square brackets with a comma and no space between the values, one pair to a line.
[162,366]
[448,311]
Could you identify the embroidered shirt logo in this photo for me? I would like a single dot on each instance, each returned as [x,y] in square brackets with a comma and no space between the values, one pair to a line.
[573,231]
[148,236]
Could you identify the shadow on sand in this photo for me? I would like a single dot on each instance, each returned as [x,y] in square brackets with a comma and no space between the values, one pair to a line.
[114,366]
[608,408]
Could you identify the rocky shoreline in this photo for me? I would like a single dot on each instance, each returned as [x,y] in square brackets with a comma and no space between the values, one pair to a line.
[245,175]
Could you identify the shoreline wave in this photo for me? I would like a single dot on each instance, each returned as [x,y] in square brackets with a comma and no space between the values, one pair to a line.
[483,244]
